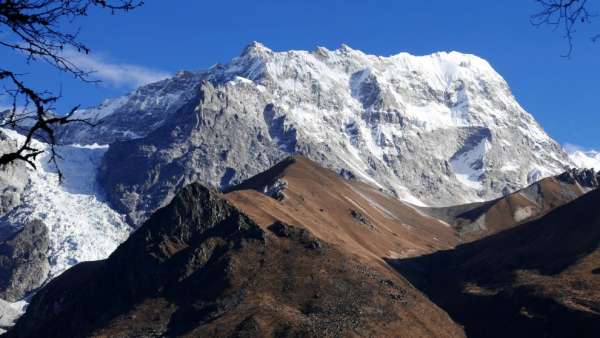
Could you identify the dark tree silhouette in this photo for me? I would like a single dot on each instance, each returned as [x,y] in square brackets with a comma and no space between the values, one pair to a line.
[565,15]
[35,29]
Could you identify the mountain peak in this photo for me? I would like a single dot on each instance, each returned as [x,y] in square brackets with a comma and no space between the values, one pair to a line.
[255,48]
[345,48]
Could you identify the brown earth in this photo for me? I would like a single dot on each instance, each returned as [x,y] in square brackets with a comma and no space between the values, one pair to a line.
[350,214]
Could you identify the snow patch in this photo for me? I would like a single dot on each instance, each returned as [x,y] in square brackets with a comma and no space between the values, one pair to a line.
[584,159]
[510,166]
[241,80]
[10,312]
[534,175]
[469,165]
[523,213]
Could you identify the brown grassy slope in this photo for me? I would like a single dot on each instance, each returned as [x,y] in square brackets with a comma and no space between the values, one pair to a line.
[350,214]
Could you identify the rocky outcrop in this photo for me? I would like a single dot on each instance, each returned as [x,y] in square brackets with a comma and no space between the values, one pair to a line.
[13,177]
[24,262]
[586,178]
[134,115]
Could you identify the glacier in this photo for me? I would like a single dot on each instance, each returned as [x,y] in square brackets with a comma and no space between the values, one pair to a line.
[82,226]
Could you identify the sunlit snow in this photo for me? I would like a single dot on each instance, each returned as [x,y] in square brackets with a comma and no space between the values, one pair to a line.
[585,159]
[82,227]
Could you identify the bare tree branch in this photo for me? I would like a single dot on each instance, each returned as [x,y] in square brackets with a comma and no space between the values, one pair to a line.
[34,29]
[44,123]
[564,15]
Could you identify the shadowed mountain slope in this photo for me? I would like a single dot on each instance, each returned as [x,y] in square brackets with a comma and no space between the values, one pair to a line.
[537,279]
[200,267]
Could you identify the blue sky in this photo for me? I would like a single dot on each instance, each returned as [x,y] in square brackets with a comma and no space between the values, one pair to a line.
[163,37]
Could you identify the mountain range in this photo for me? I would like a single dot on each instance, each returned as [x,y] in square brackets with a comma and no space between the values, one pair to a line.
[438,130]
[368,178]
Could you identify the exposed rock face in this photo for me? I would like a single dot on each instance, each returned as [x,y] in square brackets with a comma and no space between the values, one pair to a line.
[134,115]
[586,178]
[199,267]
[193,146]
[440,129]
[13,177]
[23,261]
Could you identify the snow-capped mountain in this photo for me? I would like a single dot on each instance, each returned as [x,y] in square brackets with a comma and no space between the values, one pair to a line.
[585,158]
[134,115]
[439,129]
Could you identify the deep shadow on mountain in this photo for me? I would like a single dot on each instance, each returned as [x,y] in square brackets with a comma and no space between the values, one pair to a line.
[535,280]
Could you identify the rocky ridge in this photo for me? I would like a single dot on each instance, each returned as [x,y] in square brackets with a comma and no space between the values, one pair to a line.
[477,220]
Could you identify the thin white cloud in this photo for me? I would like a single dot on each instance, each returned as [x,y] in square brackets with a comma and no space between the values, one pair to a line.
[113,73]
[571,148]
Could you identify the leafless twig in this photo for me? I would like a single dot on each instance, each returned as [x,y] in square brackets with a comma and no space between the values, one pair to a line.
[34,29]
[565,15]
